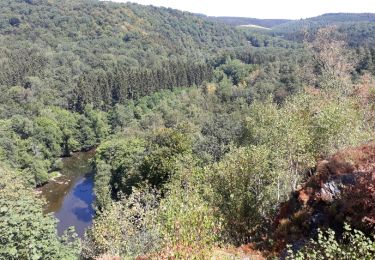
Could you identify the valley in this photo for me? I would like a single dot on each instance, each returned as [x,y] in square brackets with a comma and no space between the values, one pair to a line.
[140,132]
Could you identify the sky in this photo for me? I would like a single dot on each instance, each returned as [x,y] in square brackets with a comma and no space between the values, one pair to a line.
[287,9]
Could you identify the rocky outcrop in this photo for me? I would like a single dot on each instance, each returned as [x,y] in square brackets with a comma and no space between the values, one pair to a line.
[341,190]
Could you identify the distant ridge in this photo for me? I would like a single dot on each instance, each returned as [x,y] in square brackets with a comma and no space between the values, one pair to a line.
[359,28]
[237,21]
[330,19]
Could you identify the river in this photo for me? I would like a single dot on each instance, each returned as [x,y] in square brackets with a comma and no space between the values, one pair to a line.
[70,196]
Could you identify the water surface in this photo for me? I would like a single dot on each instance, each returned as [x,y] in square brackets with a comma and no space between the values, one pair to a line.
[70,197]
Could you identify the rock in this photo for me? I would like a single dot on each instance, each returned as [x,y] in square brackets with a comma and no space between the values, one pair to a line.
[329,191]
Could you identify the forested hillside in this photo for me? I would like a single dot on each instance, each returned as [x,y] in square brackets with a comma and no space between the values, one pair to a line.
[205,135]
[85,55]
[70,61]
[49,45]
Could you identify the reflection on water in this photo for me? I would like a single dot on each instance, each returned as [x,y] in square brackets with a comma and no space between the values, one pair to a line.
[70,196]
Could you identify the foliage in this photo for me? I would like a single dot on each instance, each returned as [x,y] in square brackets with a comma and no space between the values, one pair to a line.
[160,162]
[336,125]
[116,165]
[218,134]
[33,144]
[250,21]
[25,232]
[244,190]
[74,53]
[353,245]
[180,223]
[357,27]
[289,126]
[201,129]
[127,228]
[188,224]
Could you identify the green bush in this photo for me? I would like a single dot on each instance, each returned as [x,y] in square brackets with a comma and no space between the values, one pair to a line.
[189,226]
[353,245]
[244,191]
[126,228]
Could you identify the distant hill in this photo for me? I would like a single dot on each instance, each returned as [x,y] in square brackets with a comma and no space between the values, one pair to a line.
[329,19]
[359,28]
[236,21]
[121,29]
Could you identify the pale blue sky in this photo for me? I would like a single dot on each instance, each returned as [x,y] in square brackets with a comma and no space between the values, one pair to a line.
[293,9]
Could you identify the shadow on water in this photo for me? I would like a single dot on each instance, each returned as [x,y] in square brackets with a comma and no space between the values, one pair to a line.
[70,197]
[84,192]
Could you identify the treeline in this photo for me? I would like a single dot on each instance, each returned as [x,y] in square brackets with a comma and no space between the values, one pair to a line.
[105,89]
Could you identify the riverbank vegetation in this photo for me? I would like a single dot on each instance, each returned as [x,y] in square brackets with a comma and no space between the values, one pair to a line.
[25,232]
[202,131]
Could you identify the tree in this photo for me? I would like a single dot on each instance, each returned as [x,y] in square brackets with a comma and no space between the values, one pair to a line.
[26,233]
[48,134]
[127,228]
[332,60]
[160,162]
[116,165]
[337,124]
[245,191]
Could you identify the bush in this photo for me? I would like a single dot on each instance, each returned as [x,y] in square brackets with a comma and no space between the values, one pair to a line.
[127,228]
[353,245]
[188,224]
[245,191]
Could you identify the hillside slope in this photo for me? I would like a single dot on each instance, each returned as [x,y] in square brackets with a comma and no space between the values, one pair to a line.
[50,44]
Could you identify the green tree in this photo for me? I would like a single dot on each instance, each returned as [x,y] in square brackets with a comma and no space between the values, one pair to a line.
[127,228]
[26,233]
[116,165]
[245,191]
[337,124]
[48,133]
[160,162]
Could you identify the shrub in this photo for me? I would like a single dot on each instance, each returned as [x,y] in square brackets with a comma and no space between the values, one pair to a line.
[188,224]
[126,228]
[245,191]
[353,245]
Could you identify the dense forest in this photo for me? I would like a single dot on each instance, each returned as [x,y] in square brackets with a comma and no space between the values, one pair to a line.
[204,133]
